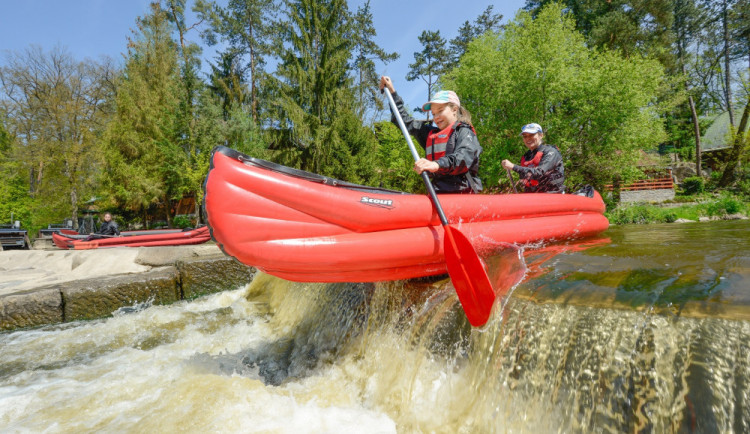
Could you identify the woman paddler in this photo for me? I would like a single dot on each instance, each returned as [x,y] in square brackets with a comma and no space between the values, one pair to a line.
[451,146]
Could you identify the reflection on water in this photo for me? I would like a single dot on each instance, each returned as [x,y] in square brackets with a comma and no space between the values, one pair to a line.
[688,270]
[645,330]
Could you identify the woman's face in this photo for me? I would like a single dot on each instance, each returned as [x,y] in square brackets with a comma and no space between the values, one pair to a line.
[532,141]
[444,115]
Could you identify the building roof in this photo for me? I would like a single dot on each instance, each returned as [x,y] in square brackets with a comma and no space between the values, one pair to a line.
[717,135]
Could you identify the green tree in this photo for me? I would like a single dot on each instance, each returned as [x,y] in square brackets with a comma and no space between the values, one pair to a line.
[318,131]
[15,201]
[189,61]
[249,28]
[56,109]
[723,46]
[395,168]
[740,144]
[634,27]
[597,106]
[146,162]
[690,20]
[195,147]
[487,21]
[739,25]
[232,126]
[227,82]
[366,52]
[430,63]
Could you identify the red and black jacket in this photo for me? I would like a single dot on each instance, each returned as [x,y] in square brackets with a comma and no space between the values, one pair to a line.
[542,170]
[456,149]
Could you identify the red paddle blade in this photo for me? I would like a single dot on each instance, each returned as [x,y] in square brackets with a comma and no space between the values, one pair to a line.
[468,276]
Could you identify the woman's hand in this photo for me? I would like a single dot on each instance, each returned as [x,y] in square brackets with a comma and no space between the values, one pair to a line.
[508,165]
[385,81]
[424,164]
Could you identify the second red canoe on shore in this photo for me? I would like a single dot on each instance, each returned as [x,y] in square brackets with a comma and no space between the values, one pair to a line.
[157,237]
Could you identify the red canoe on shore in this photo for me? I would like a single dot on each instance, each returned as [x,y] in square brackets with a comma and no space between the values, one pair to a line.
[305,227]
[157,237]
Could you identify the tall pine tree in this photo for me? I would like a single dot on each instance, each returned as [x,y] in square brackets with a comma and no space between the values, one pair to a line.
[488,21]
[147,165]
[430,63]
[250,30]
[366,52]
[315,91]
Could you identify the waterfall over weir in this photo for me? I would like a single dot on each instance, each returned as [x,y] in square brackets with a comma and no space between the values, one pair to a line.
[647,332]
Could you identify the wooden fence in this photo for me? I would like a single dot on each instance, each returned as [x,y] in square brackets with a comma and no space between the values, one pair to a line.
[645,184]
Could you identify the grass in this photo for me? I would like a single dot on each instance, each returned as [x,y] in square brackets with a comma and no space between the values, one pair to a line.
[692,208]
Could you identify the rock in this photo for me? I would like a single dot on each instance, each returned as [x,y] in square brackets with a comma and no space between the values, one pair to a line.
[682,170]
[50,287]
[30,308]
[168,255]
[28,269]
[684,221]
[208,275]
[96,298]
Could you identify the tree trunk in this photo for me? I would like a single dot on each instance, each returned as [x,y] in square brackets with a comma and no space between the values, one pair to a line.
[727,71]
[734,155]
[253,79]
[616,189]
[697,129]
[74,206]
[168,210]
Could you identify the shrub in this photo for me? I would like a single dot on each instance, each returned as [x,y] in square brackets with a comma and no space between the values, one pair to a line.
[632,214]
[693,185]
[182,221]
[669,217]
[743,188]
[641,214]
[724,205]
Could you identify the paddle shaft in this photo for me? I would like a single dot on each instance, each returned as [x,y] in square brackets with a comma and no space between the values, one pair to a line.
[413,149]
[467,272]
[512,184]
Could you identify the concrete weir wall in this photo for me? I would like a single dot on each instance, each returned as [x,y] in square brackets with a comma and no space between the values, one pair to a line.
[116,278]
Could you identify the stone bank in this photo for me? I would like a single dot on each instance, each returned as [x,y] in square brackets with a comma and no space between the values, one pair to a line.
[45,287]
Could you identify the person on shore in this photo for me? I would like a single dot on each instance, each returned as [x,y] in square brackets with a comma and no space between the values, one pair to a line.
[451,146]
[541,169]
[107,229]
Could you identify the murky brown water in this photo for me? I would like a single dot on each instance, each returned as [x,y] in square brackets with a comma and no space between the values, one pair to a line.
[644,331]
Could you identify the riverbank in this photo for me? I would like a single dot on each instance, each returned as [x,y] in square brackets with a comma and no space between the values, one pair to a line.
[43,287]
[703,208]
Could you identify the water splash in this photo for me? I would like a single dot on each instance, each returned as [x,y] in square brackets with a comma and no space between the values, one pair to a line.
[605,339]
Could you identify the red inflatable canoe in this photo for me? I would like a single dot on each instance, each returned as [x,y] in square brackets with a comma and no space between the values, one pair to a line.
[156,237]
[305,227]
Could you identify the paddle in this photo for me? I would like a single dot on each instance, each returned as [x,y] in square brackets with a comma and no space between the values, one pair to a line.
[510,177]
[466,270]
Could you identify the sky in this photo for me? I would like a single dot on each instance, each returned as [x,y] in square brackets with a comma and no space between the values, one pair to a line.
[96,28]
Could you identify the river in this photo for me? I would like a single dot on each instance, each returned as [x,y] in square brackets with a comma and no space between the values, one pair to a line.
[645,329]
